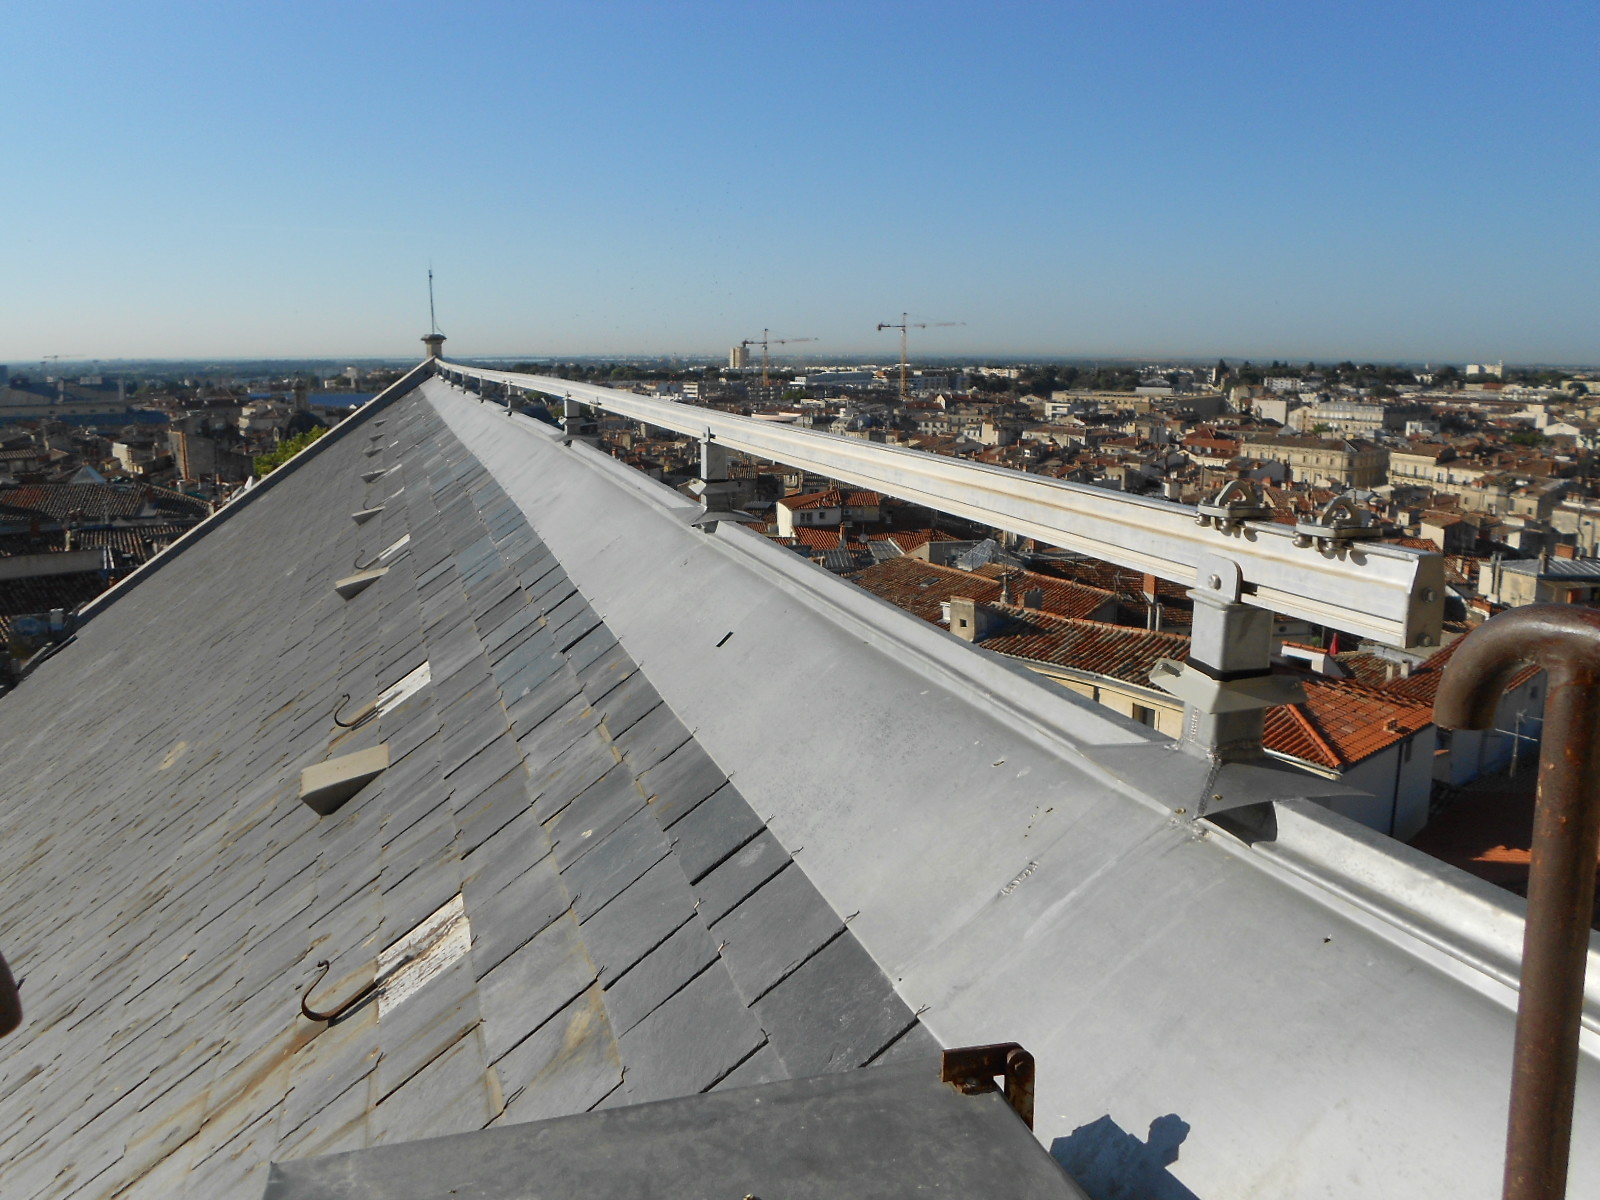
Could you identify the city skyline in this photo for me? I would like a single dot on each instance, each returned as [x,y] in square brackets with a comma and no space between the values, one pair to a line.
[628,180]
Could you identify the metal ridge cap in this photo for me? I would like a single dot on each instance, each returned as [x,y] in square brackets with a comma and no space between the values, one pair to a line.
[270,480]
[1051,718]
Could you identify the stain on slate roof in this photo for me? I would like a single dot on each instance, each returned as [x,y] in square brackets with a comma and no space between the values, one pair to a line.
[637,933]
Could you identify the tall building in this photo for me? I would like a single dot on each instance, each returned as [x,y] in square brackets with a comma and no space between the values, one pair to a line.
[739,357]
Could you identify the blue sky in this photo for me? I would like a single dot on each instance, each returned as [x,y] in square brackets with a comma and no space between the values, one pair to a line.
[1375,181]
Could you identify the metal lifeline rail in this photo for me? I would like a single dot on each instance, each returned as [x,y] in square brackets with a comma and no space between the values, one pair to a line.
[1392,594]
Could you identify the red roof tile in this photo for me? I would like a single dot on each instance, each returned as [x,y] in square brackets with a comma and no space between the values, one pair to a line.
[922,588]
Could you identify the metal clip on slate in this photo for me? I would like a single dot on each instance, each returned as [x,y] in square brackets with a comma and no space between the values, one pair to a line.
[1565,641]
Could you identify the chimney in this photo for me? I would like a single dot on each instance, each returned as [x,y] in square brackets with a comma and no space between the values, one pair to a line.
[1033,598]
[1149,586]
[971,621]
[1565,550]
[435,344]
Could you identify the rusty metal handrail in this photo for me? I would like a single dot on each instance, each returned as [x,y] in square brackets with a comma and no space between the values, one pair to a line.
[1565,641]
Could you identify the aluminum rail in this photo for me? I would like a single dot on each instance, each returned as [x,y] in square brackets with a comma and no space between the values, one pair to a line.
[1565,641]
[1391,594]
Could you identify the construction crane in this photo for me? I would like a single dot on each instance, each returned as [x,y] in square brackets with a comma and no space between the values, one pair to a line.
[764,341]
[56,359]
[905,324]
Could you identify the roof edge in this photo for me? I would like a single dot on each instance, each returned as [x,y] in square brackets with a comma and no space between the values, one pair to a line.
[388,396]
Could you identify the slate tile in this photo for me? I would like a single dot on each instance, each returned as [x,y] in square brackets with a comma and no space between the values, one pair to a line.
[613,863]
[469,731]
[532,984]
[594,813]
[659,975]
[558,781]
[690,1042]
[495,761]
[835,1013]
[563,716]
[741,874]
[764,1066]
[484,815]
[773,930]
[452,1094]
[626,703]
[652,738]
[681,781]
[914,1045]
[425,1025]
[505,918]
[712,831]
[565,1067]
[639,919]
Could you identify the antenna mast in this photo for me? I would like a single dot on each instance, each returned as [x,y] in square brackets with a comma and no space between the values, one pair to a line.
[433,321]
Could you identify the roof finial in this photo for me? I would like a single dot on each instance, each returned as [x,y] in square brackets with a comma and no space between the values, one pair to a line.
[434,341]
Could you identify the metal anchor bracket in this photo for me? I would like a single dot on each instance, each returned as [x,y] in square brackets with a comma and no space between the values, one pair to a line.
[1339,523]
[1240,500]
[973,1070]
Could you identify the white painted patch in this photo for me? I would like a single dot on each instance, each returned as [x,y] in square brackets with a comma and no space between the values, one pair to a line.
[398,693]
[418,957]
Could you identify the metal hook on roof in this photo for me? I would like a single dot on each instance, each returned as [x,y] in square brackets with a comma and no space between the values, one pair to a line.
[339,1010]
[362,717]
[368,566]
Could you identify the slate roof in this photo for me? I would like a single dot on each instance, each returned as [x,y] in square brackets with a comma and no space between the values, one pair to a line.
[637,933]
[1006,861]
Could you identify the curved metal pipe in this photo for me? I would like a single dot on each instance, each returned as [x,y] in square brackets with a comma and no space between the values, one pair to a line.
[1565,641]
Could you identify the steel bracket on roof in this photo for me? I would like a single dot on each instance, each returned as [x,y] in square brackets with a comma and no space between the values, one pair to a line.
[974,1069]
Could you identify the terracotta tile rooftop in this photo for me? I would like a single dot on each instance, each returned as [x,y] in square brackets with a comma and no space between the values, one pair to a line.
[1114,651]
[1422,685]
[922,588]
[1342,721]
